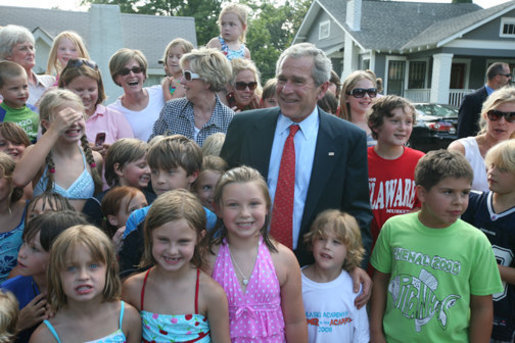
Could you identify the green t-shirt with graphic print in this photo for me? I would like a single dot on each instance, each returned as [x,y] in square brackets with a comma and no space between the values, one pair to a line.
[433,272]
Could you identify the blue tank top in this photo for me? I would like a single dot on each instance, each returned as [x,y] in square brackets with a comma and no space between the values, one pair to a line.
[10,243]
[115,337]
[231,54]
[82,188]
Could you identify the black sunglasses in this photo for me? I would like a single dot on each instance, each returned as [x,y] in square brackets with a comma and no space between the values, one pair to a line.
[75,63]
[495,115]
[507,75]
[360,92]
[241,86]
[135,70]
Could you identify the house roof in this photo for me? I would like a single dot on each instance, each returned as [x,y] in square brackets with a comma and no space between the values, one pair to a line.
[444,30]
[397,26]
[147,33]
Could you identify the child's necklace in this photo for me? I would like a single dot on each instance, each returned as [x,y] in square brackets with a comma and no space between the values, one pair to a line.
[244,280]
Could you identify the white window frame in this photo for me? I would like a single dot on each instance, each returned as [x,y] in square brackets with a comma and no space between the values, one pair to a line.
[324,29]
[386,70]
[504,21]
[426,76]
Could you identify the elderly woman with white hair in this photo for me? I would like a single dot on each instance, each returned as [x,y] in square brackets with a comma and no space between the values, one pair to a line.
[17,45]
[201,113]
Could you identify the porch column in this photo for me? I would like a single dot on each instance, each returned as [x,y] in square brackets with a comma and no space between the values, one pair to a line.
[350,56]
[441,78]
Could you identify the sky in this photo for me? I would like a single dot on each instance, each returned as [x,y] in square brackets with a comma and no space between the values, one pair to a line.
[75,4]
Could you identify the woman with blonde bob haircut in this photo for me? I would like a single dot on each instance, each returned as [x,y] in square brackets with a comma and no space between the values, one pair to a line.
[356,99]
[497,124]
[245,89]
[200,113]
[140,105]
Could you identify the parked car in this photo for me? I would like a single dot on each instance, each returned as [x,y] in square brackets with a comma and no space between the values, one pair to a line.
[435,127]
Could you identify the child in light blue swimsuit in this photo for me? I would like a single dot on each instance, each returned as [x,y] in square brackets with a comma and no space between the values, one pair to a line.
[84,291]
[62,161]
[233,27]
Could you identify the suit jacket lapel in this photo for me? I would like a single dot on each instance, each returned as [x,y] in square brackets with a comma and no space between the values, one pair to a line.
[262,140]
[326,152]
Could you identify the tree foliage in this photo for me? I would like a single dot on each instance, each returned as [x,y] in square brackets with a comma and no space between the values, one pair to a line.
[271,30]
[271,26]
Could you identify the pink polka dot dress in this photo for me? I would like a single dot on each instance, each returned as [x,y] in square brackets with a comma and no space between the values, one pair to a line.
[256,315]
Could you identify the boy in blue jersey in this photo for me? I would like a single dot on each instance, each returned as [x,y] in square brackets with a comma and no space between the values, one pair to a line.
[494,213]
[175,163]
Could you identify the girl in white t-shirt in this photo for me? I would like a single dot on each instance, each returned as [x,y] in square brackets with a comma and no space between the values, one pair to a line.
[327,292]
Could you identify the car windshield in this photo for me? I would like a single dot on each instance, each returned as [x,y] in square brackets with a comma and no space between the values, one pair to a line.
[437,110]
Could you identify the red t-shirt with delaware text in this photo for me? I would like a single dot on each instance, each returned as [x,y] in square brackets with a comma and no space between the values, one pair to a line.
[391,185]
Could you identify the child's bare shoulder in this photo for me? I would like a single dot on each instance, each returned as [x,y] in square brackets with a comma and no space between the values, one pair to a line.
[284,261]
[214,43]
[131,289]
[131,316]
[41,334]
[209,286]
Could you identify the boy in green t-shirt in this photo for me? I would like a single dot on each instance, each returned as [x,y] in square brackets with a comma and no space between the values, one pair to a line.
[435,274]
[14,89]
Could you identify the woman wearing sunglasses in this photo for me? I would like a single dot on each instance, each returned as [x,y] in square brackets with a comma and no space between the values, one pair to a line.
[140,105]
[104,126]
[245,89]
[497,124]
[201,113]
[356,99]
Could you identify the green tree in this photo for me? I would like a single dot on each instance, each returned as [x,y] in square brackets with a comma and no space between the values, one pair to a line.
[271,30]
[205,12]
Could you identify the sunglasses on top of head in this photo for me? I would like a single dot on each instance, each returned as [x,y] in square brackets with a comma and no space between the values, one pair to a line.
[495,115]
[189,75]
[76,63]
[135,70]
[241,86]
[360,92]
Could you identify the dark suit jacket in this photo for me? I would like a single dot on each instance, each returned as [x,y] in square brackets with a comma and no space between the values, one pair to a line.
[470,110]
[339,178]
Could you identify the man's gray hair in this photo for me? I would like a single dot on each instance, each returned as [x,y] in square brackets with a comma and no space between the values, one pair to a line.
[495,69]
[11,35]
[322,65]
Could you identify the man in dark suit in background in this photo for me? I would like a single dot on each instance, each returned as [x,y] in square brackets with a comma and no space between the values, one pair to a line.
[330,153]
[498,75]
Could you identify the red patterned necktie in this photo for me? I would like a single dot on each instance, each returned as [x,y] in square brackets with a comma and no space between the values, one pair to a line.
[282,212]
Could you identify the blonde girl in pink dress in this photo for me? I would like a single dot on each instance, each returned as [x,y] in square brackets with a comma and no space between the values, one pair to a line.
[260,276]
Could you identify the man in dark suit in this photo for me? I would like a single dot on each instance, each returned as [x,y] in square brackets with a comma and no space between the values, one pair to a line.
[331,159]
[498,75]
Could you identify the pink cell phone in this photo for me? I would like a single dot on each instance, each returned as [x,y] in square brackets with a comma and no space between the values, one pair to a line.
[100,138]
